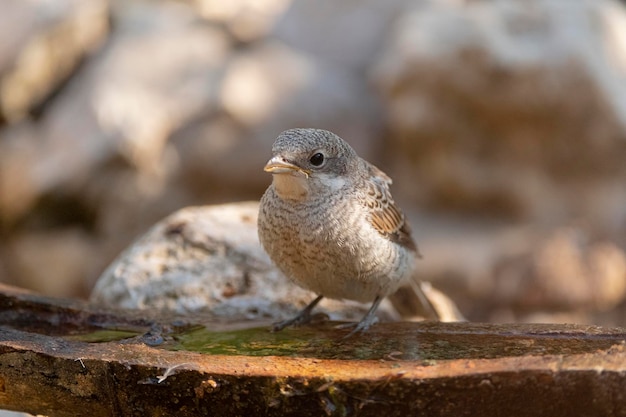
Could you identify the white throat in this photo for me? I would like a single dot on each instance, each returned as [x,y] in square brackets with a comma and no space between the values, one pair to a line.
[291,187]
[296,187]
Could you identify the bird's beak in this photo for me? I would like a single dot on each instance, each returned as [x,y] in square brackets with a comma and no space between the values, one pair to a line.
[278,165]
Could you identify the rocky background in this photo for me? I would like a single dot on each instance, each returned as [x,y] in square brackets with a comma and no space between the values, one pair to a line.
[503,124]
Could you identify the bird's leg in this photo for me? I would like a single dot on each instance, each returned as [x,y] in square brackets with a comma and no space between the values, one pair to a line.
[303,317]
[367,320]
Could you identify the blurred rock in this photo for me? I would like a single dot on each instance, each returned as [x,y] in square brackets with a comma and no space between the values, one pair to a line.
[503,272]
[245,20]
[102,143]
[53,263]
[346,34]
[565,272]
[18,191]
[513,109]
[41,44]
[138,103]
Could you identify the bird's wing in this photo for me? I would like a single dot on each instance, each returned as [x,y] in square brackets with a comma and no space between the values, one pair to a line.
[384,216]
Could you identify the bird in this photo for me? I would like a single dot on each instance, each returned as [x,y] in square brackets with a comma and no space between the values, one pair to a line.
[329,223]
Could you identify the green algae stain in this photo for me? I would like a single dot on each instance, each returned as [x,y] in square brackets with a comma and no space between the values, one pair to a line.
[104,335]
[426,343]
[327,342]
[256,341]
[321,342]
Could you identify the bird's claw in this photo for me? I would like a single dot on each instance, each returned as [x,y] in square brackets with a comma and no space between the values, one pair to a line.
[298,320]
[303,317]
[358,327]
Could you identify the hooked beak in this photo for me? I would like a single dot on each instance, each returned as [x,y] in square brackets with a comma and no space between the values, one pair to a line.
[278,165]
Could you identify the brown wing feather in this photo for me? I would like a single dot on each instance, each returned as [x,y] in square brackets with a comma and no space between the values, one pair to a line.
[384,216]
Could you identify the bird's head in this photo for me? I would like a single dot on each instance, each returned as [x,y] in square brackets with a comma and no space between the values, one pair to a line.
[309,162]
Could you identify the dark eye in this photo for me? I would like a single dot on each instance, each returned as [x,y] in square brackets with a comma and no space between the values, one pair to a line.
[317,159]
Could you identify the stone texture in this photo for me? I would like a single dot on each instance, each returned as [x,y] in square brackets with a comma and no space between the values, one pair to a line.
[245,20]
[100,150]
[63,260]
[567,272]
[521,117]
[63,357]
[42,45]
[327,30]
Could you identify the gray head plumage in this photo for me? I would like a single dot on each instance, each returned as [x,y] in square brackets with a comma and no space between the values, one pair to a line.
[299,145]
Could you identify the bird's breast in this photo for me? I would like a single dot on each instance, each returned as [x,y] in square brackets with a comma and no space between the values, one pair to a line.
[328,246]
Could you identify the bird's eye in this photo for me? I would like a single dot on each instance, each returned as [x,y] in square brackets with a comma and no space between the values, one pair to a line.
[317,159]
